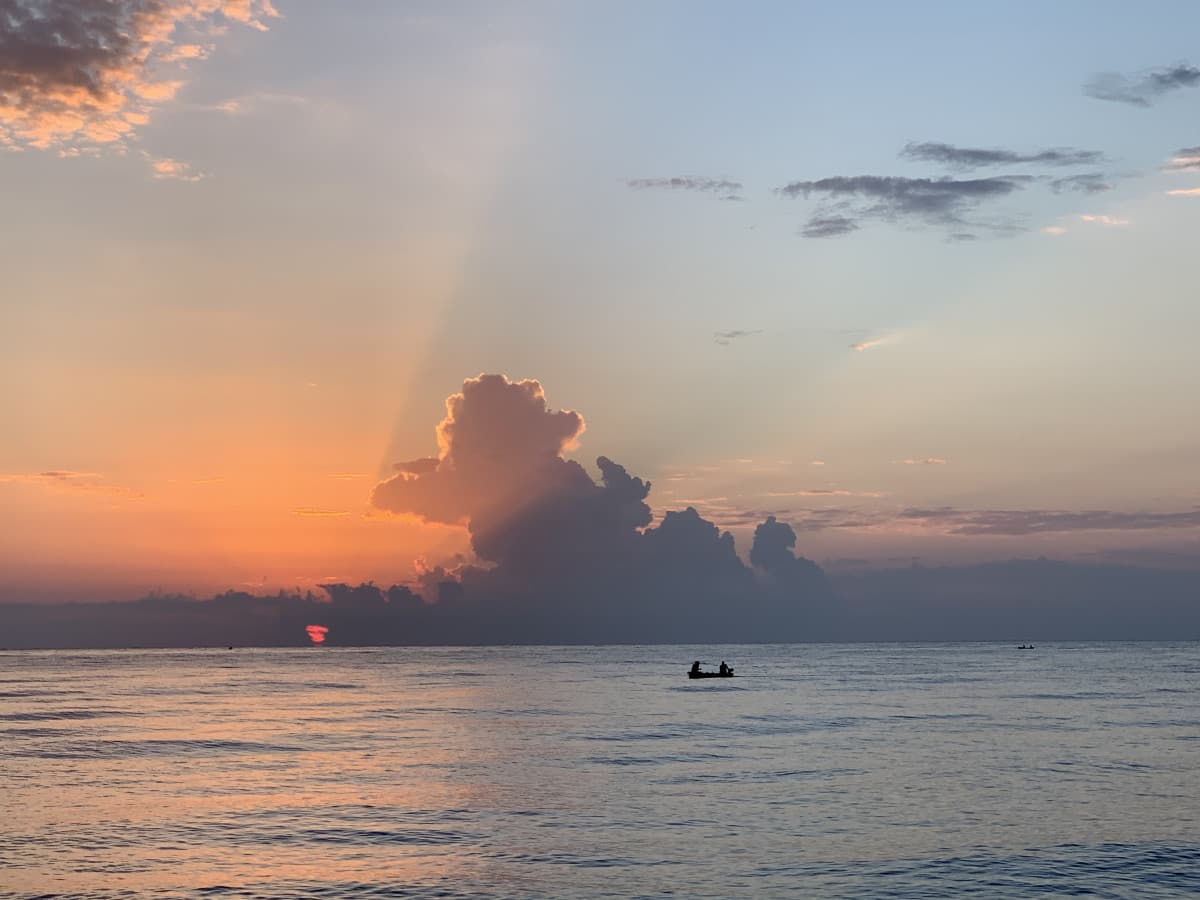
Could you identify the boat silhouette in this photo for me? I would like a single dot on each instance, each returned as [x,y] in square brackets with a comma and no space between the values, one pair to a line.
[728,674]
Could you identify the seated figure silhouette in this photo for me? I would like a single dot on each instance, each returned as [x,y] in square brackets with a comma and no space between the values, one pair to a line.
[696,667]
[724,670]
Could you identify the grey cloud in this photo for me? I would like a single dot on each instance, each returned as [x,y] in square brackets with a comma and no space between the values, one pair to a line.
[936,201]
[1186,159]
[726,186]
[974,157]
[1090,183]
[1035,521]
[1143,89]
[724,338]
[828,226]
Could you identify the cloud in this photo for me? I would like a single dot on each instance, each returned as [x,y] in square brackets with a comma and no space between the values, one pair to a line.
[80,73]
[975,158]
[1110,221]
[63,479]
[1091,183]
[549,538]
[926,461]
[1143,89]
[249,103]
[932,201]
[166,168]
[882,341]
[725,338]
[1186,159]
[1025,521]
[824,492]
[726,186]
[1054,230]
[1185,192]
[318,513]
[828,226]
[501,450]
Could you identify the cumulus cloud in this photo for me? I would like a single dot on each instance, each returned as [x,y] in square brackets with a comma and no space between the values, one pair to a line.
[931,201]
[546,535]
[1145,88]
[500,451]
[79,73]
[975,158]
[728,187]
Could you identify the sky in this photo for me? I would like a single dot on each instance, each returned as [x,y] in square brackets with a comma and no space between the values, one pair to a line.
[916,279]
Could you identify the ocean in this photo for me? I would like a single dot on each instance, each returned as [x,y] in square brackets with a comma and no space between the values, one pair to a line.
[865,770]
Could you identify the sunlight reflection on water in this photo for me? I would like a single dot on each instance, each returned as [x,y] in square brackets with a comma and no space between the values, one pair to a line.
[836,770]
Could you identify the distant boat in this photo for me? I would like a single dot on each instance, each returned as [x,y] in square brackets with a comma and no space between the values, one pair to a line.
[1025,647]
[726,674]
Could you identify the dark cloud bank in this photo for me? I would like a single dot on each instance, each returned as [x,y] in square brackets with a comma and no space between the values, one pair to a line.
[563,558]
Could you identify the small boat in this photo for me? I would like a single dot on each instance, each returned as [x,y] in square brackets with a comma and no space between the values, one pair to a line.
[1025,647]
[728,674]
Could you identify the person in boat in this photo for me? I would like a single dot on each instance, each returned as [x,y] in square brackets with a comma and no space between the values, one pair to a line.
[696,667]
[724,670]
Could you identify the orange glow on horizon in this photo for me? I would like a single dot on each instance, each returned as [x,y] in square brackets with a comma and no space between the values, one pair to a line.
[316,633]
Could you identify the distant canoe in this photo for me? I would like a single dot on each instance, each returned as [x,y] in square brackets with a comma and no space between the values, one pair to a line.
[692,674]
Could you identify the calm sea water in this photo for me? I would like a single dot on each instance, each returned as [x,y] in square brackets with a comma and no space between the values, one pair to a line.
[821,771]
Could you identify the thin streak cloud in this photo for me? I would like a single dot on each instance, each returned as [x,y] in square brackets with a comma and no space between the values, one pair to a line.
[974,157]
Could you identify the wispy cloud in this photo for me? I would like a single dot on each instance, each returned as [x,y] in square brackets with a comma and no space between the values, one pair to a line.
[975,158]
[1185,160]
[825,492]
[882,341]
[1145,88]
[69,480]
[1110,221]
[317,512]
[828,226]
[728,187]
[246,104]
[924,461]
[1185,192]
[83,74]
[1038,521]
[1054,230]
[724,338]
[1091,183]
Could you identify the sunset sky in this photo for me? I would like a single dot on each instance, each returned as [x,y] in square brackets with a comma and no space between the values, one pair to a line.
[919,279]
